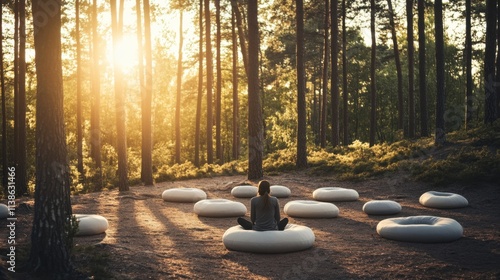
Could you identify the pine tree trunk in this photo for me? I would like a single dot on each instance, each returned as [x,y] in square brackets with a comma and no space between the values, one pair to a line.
[95,109]
[335,74]
[210,75]
[116,26]
[468,64]
[424,121]
[411,69]
[345,89]
[241,34]
[236,105]
[79,121]
[440,137]
[200,89]
[324,89]
[255,129]
[147,141]
[218,106]
[490,101]
[3,151]
[301,89]
[178,97]
[373,85]
[399,71]
[50,243]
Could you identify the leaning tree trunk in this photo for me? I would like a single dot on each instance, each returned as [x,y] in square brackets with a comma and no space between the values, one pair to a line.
[335,74]
[50,241]
[255,127]
[236,105]
[399,71]
[95,108]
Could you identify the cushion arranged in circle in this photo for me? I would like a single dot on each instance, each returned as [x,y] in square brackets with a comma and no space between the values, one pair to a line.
[335,194]
[381,207]
[183,195]
[425,229]
[219,208]
[91,224]
[280,191]
[311,209]
[244,191]
[292,238]
[4,211]
[435,199]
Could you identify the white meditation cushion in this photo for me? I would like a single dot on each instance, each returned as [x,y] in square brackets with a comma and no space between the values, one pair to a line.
[219,208]
[311,209]
[4,211]
[280,191]
[425,229]
[91,224]
[244,191]
[335,194]
[183,195]
[435,199]
[293,238]
[381,207]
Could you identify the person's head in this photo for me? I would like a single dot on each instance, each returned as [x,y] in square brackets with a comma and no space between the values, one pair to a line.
[264,187]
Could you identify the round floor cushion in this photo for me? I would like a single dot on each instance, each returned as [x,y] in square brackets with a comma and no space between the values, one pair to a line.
[244,191]
[424,229]
[219,208]
[435,199]
[280,191]
[183,195]
[91,224]
[381,207]
[311,209]
[335,194]
[293,238]
[4,211]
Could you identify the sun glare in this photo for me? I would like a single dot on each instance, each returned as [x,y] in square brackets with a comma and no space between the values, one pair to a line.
[126,53]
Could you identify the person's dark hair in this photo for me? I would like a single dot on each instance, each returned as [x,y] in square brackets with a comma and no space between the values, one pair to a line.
[264,190]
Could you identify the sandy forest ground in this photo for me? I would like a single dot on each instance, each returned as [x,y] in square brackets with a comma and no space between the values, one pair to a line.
[152,239]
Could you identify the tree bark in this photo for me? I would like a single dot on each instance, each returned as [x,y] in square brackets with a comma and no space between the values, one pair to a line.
[424,120]
[3,152]
[50,243]
[255,127]
[301,88]
[440,137]
[121,137]
[324,89]
[411,69]
[79,113]
[208,42]
[490,99]
[218,105]
[397,61]
[147,137]
[335,74]
[95,109]
[345,90]
[241,34]
[178,97]
[200,89]
[373,85]
[236,105]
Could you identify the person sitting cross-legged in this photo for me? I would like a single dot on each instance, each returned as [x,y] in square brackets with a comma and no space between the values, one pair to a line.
[264,211]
